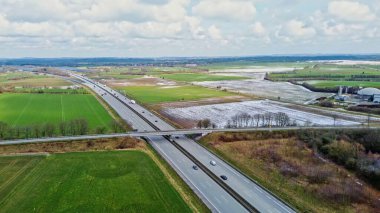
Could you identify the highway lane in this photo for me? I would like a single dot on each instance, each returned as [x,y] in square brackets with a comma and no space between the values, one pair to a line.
[214,196]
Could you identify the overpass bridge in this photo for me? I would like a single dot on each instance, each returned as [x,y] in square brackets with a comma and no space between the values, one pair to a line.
[171,133]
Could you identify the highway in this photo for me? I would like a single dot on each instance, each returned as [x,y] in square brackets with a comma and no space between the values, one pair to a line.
[211,193]
[238,191]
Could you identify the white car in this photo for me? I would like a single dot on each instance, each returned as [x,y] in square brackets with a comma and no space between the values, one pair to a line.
[213,163]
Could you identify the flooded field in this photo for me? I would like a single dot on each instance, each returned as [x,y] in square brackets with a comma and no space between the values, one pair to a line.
[267,89]
[221,113]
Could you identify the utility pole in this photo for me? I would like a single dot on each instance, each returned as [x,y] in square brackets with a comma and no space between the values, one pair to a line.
[368,120]
[335,117]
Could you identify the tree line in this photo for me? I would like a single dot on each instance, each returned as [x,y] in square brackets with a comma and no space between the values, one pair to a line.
[245,120]
[64,128]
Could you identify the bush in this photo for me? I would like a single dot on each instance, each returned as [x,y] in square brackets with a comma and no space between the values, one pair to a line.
[343,193]
[318,175]
[289,170]
[326,104]
[341,151]
[126,143]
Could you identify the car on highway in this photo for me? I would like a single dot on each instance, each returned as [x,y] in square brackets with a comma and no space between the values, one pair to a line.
[213,163]
[195,167]
[223,177]
[133,101]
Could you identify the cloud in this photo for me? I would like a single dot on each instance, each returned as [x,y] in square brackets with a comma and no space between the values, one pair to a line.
[226,9]
[34,11]
[193,27]
[298,29]
[350,11]
[215,33]
[259,30]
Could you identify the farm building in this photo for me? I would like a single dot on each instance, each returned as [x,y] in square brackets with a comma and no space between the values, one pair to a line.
[368,93]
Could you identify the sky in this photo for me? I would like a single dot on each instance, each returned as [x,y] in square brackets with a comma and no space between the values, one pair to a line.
[175,28]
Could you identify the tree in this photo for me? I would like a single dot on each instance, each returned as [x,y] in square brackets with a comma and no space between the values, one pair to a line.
[115,126]
[268,117]
[100,130]
[28,131]
[49,129]
[36,130]
[63,128]
[82,126]
[200,124]
[206,123]
[257,117]
[282,119]
[3,129]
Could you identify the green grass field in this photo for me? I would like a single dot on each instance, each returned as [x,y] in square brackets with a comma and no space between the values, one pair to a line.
[121,181]
[189,77]
[326,71]
[16,75]
[329,84]
[112,75]
[28,109]
[250,64]
[157,94]
[27,79]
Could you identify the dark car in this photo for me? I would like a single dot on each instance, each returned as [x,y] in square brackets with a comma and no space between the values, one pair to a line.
[195,167]
[223,177]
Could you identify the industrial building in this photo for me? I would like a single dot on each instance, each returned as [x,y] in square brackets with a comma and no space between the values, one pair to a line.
[369,94]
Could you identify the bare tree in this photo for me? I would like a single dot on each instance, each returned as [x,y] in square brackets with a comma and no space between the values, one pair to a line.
[282,119]
[268,117]
[257,118]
